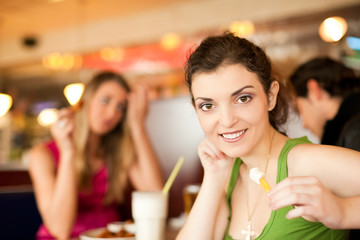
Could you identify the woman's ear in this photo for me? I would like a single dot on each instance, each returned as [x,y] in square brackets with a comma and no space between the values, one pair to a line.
[274,90]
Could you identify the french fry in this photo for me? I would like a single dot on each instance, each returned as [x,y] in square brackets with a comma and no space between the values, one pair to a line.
[77,106]
[257,176]
[264,185]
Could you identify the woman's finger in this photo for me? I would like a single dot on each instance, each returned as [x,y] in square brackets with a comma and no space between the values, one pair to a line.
[61,123]
[205,150]
[293,181]
[217,153]
[64,113]
[295,189]
[293,199]
[306,211]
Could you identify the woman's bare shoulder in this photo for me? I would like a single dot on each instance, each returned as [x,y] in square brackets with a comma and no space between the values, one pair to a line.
[39,150]
[307,158]
[308,151]
[40,155]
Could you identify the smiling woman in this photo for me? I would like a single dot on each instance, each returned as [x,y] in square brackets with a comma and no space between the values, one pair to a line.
[247,99]
[241,107]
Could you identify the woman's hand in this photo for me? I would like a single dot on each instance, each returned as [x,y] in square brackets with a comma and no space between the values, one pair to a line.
[137,106]
[212,159]
[62,130]
[312,200]
[210,210]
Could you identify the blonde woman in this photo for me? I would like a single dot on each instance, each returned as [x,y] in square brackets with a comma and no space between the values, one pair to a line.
[81,175]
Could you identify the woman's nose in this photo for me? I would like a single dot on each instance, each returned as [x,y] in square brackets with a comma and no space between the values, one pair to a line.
[112,111]
[228,117]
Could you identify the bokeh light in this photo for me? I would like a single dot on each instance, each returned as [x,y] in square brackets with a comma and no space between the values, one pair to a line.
[333,29]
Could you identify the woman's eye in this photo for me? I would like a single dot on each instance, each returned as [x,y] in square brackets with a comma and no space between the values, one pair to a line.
[244,99]
[105,100]
[121,107]
[206,107]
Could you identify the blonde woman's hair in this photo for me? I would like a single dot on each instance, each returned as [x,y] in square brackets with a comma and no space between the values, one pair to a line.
[117,145]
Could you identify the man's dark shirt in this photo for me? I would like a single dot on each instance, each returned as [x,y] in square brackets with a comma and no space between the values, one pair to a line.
[344,129]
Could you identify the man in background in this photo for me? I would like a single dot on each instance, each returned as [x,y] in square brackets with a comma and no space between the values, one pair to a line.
[328,101]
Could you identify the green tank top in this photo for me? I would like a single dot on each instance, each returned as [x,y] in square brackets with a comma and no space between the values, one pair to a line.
[278,227]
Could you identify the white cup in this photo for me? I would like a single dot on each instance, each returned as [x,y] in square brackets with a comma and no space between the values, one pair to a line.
[149,210]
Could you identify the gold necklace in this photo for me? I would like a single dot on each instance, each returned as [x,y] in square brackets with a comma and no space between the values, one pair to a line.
[248,230]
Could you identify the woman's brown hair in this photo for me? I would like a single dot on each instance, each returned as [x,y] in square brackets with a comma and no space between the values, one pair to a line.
[228,49]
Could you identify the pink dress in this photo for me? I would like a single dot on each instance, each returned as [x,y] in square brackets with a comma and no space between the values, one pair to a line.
[92,213]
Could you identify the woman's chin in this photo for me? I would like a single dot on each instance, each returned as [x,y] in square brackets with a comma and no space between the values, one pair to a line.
[231,154]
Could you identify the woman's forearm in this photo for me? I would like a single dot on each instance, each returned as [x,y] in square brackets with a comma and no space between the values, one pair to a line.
[351,217]
[61,211]
[148,164]
[203,222]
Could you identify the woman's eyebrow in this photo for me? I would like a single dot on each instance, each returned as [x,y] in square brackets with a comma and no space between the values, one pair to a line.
[233,94]
[241,89]
[204,99]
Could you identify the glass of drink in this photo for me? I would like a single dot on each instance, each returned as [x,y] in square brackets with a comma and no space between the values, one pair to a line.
[149,210]
[190,193]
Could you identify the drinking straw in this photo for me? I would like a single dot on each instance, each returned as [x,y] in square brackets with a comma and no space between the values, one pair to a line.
[173,175]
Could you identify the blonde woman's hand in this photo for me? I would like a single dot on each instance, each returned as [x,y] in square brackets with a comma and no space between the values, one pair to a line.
[137,106]
[213,160]
[62,131]
[312,200]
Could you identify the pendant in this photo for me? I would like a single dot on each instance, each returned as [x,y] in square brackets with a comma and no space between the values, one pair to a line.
[248,232]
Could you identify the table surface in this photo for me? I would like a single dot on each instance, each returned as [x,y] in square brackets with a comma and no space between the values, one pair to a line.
[169,235]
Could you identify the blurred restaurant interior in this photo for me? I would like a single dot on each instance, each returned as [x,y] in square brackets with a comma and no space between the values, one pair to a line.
[45,45]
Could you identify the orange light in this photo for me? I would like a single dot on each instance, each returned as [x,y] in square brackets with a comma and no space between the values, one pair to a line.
[112,54]
[170,41]
[5,103]
[242,28]
[333,29]
[65,62]
[47,117]
[73,92]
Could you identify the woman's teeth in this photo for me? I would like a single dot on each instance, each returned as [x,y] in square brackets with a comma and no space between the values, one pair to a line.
[233,135]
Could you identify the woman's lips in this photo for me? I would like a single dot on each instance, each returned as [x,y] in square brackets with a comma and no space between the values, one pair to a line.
[233,136]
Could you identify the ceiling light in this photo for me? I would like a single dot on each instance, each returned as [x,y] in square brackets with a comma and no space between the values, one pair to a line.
[65,62]
[112,54]
[5,103]
[47,117]
[73,92]
[170,41]
[242,28]
[332,29]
